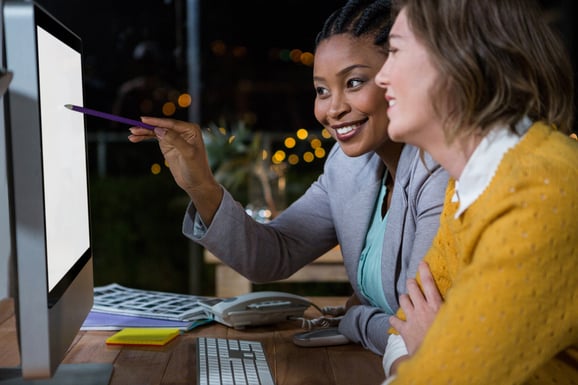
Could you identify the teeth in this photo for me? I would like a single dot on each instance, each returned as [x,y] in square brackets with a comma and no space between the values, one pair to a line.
[345,130]
[392,103]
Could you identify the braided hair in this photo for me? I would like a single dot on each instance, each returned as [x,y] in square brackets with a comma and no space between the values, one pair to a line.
[359,18]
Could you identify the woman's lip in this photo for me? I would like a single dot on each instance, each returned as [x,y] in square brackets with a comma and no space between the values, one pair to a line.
[346,135]
[347,124]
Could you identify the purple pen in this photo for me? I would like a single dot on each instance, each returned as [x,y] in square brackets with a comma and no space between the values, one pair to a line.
[112,117]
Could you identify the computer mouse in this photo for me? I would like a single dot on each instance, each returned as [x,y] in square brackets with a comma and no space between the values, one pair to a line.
[320,337]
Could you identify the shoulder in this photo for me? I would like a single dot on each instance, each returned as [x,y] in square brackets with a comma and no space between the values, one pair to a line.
[366,165]
[418,172]
[536,179]
[544,158]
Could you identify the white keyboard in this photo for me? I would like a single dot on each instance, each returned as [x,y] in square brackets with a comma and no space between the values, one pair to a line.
[227,361]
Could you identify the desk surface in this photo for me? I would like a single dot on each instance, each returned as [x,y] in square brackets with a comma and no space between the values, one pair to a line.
[175,363]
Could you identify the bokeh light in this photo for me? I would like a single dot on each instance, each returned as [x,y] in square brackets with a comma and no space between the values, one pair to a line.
[278,157]
[315,143]
[239,51]
[308,157]
[169,109]
[155,168]
[307,59]
[289,142]
[184,100]
[302,133]
[218,48]
[293,159]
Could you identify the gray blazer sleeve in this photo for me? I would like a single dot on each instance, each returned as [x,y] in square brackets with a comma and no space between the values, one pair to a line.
[335,209]
[273,251]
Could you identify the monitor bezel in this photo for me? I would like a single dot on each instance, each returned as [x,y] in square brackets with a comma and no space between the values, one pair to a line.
[47,323]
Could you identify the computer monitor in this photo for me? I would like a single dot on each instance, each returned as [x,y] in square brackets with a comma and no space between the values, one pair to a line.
[48,195]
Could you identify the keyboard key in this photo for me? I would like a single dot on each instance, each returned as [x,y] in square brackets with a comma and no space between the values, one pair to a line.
[227,361]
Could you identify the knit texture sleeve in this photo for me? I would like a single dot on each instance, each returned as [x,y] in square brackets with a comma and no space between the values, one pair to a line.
[511,314]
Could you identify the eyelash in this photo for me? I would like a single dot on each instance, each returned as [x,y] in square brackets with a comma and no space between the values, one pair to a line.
[319,91]
[322,91]
[356,80]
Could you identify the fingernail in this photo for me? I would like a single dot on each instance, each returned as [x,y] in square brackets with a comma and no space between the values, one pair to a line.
[160,132]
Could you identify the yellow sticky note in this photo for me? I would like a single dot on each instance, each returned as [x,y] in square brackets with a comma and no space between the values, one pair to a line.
[143,336]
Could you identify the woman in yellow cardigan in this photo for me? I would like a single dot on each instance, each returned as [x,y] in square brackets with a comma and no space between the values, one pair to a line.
[485,87]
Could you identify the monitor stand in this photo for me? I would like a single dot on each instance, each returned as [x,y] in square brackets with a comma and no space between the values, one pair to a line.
[66,374]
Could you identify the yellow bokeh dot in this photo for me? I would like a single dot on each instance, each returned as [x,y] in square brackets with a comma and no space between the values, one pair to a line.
[290,142]
[320,152]
[295,55]
[302,134]
[315,143]
[156,168]
[325,133]
[184,100]
[278,157]
[308,157]
[169,109]
[293,159]
[307,58]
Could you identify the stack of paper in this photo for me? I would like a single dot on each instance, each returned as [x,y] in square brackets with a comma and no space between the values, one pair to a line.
[117,307]
[108,321]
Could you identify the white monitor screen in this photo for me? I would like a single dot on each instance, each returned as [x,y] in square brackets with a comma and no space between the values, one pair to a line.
[48,191]
[66,200]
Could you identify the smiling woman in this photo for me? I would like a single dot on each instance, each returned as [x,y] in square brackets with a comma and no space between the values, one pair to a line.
[378,200]
[506,236]
[241,77]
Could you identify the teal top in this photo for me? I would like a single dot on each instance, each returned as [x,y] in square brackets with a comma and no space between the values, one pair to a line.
[369,271]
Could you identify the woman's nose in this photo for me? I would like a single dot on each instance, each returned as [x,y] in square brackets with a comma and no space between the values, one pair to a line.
[338,107]
[381,78]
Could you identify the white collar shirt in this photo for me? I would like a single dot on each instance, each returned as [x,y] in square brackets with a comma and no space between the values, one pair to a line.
[482,165]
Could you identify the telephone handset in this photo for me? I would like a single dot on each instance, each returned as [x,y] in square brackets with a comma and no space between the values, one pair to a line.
[256,308]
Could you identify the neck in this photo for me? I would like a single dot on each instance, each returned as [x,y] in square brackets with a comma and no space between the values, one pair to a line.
[390,154]
[454,156]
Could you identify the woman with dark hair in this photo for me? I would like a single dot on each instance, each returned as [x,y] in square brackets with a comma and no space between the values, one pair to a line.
[379,200]
[485,87]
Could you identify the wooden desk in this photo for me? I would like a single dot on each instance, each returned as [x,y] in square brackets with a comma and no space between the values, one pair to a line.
[175,363]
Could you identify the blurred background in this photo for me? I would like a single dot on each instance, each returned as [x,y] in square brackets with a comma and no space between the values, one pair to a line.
[243,70]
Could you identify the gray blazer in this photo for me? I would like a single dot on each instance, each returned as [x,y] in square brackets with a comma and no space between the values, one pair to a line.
[336,209]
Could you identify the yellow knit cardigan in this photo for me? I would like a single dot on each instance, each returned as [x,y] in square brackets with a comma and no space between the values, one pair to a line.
[508,269]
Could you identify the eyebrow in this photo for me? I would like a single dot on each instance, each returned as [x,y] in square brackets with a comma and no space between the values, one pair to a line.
[394,36]
[345,70]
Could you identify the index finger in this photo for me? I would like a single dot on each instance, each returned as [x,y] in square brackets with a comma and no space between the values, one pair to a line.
[429,286]
[177,126]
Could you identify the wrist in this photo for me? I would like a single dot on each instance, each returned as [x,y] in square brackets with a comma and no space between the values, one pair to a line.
[395,364]
[207,199]
[395,352]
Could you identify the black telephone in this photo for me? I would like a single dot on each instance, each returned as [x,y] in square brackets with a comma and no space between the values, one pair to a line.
[256,308]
